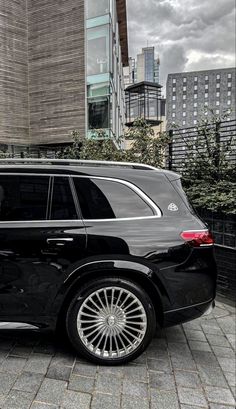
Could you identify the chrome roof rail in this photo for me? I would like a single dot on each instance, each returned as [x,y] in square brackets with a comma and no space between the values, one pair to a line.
[73,162]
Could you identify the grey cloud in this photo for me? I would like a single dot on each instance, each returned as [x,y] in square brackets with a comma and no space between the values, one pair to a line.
[182,28]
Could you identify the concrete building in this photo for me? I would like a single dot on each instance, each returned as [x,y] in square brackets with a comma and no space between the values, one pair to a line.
[146,67]
[61,69]
[192,95]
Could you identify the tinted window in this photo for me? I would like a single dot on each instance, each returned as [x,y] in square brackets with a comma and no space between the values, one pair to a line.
[23,197]
[103,199]
[63,207]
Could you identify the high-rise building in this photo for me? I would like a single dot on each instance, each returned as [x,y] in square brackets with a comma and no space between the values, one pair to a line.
[192,96]
[61,69]
[145,68]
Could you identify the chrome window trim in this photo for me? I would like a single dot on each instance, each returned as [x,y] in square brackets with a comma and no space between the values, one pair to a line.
[134,188]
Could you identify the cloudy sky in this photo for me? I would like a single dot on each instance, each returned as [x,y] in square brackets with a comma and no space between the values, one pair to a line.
[188,34]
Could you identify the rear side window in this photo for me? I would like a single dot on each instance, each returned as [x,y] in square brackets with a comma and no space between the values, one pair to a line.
[63,206]
[105,199]
[23,197]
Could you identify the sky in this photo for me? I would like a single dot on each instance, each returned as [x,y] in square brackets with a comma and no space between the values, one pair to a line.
[188,35]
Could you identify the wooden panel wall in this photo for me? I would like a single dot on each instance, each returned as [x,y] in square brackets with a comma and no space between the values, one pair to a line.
[13,73]
[56,69]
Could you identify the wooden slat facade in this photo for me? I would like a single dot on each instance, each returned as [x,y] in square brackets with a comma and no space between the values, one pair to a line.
[14,120]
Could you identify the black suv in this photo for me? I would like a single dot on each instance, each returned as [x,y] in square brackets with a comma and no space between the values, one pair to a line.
[107,250]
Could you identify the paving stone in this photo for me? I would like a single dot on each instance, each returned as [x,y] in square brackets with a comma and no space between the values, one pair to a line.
[63,359]
[81,384]
[6,382]
[108,384]
[28,382]
[232,340]
[216,406]
[212,330]
[199,346]
[219,395]
[13,364]
[195,335]
[176,334]
[51,391]
[231,378]
[39,405]
[223,352]
[227,324]
[187,379]
[117,370]
[135,372]
[163,365]
[191,407]
[183,363]
[218,340]
[205,359]
[75,400]
[85,369]
[212,376]
[59,372]
[128,403]
[18,400]
[101,401]
[38,363]
[164,400]
[227,364]
[193,397]
[136,389]
[161,381]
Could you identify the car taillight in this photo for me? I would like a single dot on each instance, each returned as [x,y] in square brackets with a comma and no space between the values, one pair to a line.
[199,238]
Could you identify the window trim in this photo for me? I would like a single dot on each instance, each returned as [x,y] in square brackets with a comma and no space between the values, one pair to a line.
[156,210]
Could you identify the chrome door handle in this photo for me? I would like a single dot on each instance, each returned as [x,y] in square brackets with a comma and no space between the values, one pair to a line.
[60,241]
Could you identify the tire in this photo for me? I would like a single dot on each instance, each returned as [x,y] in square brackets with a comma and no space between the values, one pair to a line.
[110,321]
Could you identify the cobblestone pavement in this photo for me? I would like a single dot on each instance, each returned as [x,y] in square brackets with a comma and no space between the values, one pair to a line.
[185,367]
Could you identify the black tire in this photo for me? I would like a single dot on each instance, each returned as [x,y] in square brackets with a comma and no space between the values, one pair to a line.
[118,321]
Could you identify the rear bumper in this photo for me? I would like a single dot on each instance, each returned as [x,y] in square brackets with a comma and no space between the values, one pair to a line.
[184,314]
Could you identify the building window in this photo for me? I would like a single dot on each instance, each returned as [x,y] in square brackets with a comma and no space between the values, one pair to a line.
[98,113]
[173,106]
[174,81]
[229,76]
[206,86]
[173,114]
[174,89]
[194,122]
[96,8]
[206,113]
[184,106]
[195,87]
[184,80]
[217,103]
[229,102]
[195,79]
[184,122]
[206,103]
[229,93]
[184,88]
[218,94]
[218,77]
[206,77]
[195,113]
[206,94]
[218,85]
[217,111]
[195,96]
[98,50]
[184,96]
[195,104]
[173,98]
[184,113]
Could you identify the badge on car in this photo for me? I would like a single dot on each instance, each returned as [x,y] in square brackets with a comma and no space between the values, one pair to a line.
[173,207]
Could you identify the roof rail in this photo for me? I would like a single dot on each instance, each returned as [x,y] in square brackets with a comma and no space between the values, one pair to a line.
[74,162]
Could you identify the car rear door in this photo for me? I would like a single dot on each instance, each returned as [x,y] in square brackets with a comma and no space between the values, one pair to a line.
[41,236]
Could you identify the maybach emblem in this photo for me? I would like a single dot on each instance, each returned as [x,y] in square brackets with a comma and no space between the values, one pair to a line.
[173,207]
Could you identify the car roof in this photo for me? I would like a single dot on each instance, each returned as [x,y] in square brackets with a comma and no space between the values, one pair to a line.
[81,167]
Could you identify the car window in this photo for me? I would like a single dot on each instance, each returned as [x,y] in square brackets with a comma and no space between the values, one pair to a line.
[23,197]
[105,199]
[63,206]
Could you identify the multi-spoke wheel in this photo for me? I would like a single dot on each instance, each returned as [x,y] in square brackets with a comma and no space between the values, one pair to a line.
[111,321]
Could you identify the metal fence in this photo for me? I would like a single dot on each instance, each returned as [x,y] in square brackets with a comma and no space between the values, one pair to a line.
[182,142]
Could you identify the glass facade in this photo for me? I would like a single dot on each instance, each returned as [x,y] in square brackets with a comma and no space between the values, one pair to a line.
[105,96]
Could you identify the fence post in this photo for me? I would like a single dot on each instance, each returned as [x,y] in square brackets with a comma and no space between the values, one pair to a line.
[170,153]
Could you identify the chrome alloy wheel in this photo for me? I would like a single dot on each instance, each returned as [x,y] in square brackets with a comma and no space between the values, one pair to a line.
[112,322]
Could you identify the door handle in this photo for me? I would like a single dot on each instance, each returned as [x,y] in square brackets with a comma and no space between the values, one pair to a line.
[60,241]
